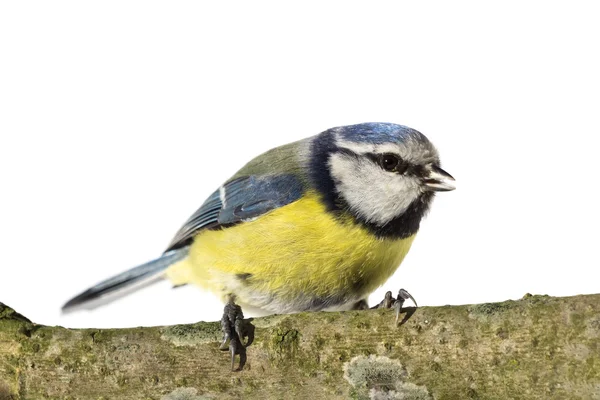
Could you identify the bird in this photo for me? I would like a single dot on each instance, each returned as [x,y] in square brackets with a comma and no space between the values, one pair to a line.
[317,224]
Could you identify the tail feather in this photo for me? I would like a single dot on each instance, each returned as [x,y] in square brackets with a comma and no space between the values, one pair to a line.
[125,282]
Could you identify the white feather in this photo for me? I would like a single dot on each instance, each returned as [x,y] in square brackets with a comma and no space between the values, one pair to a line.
[222,196]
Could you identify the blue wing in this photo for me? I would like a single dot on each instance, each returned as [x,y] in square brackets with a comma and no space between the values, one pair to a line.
[239,200]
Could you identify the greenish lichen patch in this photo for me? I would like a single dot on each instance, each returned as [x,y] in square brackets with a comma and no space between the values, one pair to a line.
[379,373]
[487,309]
[27,329]
[285,342]
[536,299]
[101,336]
[192,334]
[8,313]
[34,339]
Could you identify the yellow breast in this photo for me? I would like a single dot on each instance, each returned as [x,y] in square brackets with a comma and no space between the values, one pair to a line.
[298,257]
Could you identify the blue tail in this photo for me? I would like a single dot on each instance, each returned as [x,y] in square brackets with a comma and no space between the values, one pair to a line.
[125,282]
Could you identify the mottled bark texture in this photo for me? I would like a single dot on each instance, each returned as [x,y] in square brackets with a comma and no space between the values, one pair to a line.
[535,348]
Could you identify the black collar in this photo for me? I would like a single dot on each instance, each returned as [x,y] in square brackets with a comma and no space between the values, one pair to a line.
[400,227]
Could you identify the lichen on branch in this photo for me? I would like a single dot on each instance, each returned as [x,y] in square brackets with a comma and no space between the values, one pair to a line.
[535,348]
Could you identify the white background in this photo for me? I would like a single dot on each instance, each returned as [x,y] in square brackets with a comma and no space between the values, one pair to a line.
[118,118]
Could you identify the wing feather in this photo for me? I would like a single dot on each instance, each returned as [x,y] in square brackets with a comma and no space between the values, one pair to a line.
[241,199]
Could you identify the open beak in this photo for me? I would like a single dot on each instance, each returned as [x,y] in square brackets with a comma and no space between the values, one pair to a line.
[438,180]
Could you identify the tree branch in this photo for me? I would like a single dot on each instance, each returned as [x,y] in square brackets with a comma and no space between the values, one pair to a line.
[535,348]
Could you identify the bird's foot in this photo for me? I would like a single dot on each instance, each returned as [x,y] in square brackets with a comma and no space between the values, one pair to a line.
[238,333]
[390,302]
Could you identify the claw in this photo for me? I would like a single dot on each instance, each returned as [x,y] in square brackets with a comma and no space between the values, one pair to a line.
[225,344]
[398,308]
[405,296]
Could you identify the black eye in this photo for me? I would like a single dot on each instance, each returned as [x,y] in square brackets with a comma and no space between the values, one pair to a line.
[391,162]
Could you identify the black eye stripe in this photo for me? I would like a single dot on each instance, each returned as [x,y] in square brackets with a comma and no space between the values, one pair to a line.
[399,166]
[347,152]
[373,157]
[418,170]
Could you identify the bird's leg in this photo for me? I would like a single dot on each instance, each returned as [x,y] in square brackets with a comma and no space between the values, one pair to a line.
[235,330]
[389,301]
[227,322]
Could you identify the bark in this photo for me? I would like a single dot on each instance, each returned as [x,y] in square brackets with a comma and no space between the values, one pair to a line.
[535,348]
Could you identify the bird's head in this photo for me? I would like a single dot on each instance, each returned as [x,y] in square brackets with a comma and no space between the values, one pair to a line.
[379,172]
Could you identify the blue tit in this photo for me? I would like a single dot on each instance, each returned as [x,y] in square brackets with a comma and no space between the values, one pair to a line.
[317,224]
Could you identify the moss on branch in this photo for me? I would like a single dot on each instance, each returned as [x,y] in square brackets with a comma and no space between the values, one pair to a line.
[535,348]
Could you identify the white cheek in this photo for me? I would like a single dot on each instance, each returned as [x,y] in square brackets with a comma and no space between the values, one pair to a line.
[372,193]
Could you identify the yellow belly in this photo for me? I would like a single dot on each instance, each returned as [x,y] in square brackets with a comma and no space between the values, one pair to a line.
[298,257]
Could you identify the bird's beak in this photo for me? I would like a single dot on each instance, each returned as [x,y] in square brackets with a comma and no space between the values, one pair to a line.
[438,180]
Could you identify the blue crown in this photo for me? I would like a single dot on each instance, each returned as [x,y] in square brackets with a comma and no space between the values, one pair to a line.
[379,133]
